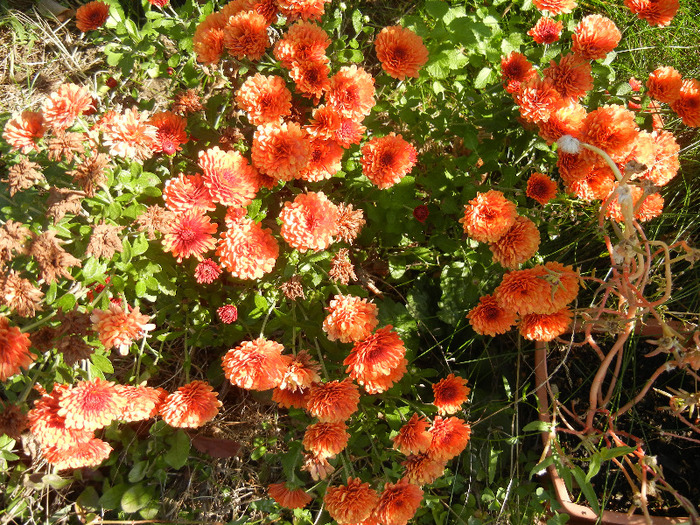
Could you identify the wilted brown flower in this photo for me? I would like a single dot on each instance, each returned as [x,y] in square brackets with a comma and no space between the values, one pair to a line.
[90,173]
[12,421]
[13,237]
[293,289]
[64,145]
[73,322]
[187,102]
[350,222]
[62,201]
[104,241]
[19,294]
[155,218]
[23,176]
[53,260]
[74,348]
[342,269]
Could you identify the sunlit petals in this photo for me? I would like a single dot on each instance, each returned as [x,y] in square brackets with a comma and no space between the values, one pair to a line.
[256,365]
[191,406]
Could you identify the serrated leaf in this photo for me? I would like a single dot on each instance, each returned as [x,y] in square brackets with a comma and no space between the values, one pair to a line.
[260,302]
[102,363]
[179,450]
[482,79]
[66,302]
[135,498]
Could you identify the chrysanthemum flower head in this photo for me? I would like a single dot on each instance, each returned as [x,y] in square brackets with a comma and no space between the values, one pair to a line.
[92,15]
[350,319]
[450,394]
[350,132]
[488,216]
[545,327]
[658,13]
[187,193]
[594,37]
[664,84]
[301,372]
[386,160]
[192,234]
[687,106]
[571,77]
[310,78]
[324,160]
[647,206]
[129,135]
[228,177]
[333,401]
[14,350]
[61,108]
[13,421]
[541,188]
[118,329]
[264,98]
[191,406]
[256,365]
[666,164]
[247,250]
[48,426]
[516,69]
[280,150]
[309,222]
[400,51]
[291,398]
[611,128]
[207,272]
[245,35]
[537,99]
[595,183]
[565,282]
[490,318]
[450,438]
[517,245]
[302,9]
[303,42]
[208,39]
[378,361]
[555,7]
[350,503]
[142,402]
[88,454]
[90,405]
[325,440]
[398,503]
[351,92]
[22,130]
[546,30]
[288,498]
[170,134]
[227,313]
[421,469]
[565,119]
[413,436]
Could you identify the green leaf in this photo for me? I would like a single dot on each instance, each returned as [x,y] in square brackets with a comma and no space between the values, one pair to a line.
[541,466]
[136,498]
[179,451]
[102,363]
[111,498]
[482,79]
[138,471]
[586,488]
[539,426]
[140,245]
[66,302]
[260,302]
[51,292]
[126,254]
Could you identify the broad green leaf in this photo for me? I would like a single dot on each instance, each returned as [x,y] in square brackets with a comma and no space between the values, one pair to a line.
[102,363]
[482,79]
[179,450]
[136,497]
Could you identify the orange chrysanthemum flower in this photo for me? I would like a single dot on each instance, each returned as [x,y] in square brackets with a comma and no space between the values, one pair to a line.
[351,92]
[14,350]
[118,329]
[228,177]
[517,245]
[288,498]
[193,405]
[565,119]
[490,318]
[593,184]
[398,503]
[256,365]
[450,394]
[687,106]
[413,437]
[541,188]
[350,319]
[50,428]
[545,327]
[310,78]
[488,216]
[208,39]
[170,132]
[400,51]
[647,206]
[92,15]
[450,437]
[142,402]
[324,124]
[555,7]
[537,99]
[334,401]
[264,98]
[62,107]
[191,234]
[594,37]
[565,283]
[350,132]
[291,398]
[247,250]
[666,164]
[90,405]
[207,272]
[525,291]
[310,222]
[325,440]
[302,9]
[303,42]
[187,193]
[421,469]
[546,31]
[516,69]
[130,136]
[301,372]
[245,35]
[351,503]
[658,13]
[572,166]
[664,84]
[280,150]
[324,160]
[571,77]
[88,454]
[22,130]
[378,361]
[387,160]
[611,128]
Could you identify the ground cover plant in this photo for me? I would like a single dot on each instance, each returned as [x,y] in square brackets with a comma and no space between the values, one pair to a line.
[295,261]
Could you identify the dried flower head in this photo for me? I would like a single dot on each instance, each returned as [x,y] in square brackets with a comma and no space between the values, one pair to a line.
[23,175]
[342,270]
[90,173]
[155,218]
[104,241]
[53,260]
[19,294]
[293,289]
[64,145]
